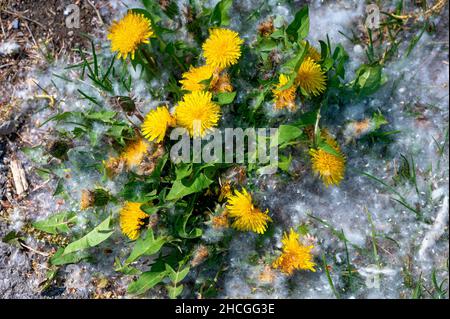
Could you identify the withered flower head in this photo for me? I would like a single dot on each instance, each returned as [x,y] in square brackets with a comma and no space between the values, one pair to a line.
[200,255]
[222,83]
[114,166]
[98,197]
[267,276]
[266,27]
[58,148]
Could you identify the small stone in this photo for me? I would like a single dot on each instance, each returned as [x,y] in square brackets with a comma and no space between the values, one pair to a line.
[358,49]
[16,24]
[9,48]
[7,127]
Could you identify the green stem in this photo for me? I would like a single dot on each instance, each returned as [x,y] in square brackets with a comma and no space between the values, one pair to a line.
[316,128]
[150,62]
[175,58]
[330,281]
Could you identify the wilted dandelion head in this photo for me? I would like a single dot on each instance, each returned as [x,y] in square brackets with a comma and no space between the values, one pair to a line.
[192,79]
[225,190]
[86,200]
[223,48]
[113,166]
[266,28]
[267,275]
[197,113]
[330,167]
[294,256]
[246,216]
[201,253]
[156,123]
[127,34]
[284,98]
[220,221]
[222,83]
[311,78]
[132,219]
[134,152]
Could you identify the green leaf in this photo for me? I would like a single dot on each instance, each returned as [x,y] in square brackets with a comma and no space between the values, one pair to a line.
[174,291]
[284,162]
[176,276]
[125,269]
[183,170]
[329,149]
[103,116]
[137,191]
[92,239]
[267,45]
[183,188]
[368,79]
[181,226]
[220,15]
[146,245]
[59,187]
[278,34]
[299,28]
[145,282]
[306,119]
[226,98]
[303,229]
[10,237]
[379,120]
[288,133]
[58,223]
[59,258]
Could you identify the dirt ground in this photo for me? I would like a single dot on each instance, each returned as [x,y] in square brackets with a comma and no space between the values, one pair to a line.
[37,36]
[40,32]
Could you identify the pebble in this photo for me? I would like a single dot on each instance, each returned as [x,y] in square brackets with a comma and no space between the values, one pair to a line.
[7,127]
[16,24]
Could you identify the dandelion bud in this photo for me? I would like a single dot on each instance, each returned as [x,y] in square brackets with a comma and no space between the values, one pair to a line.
[125,103]
[59,148]
[97,198]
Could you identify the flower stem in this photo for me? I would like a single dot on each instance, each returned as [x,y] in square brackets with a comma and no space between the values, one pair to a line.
[175,58]
[151,65]
[316,128]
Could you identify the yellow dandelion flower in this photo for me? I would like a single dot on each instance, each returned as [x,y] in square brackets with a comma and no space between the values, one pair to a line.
[132,219]
[331,168]
[284,98]
[246,216]
[156,123]
[222,83]
[134,152]
[127,34]
[294,255]
[223,48]
[197,113]
[192,79]
[311,78]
